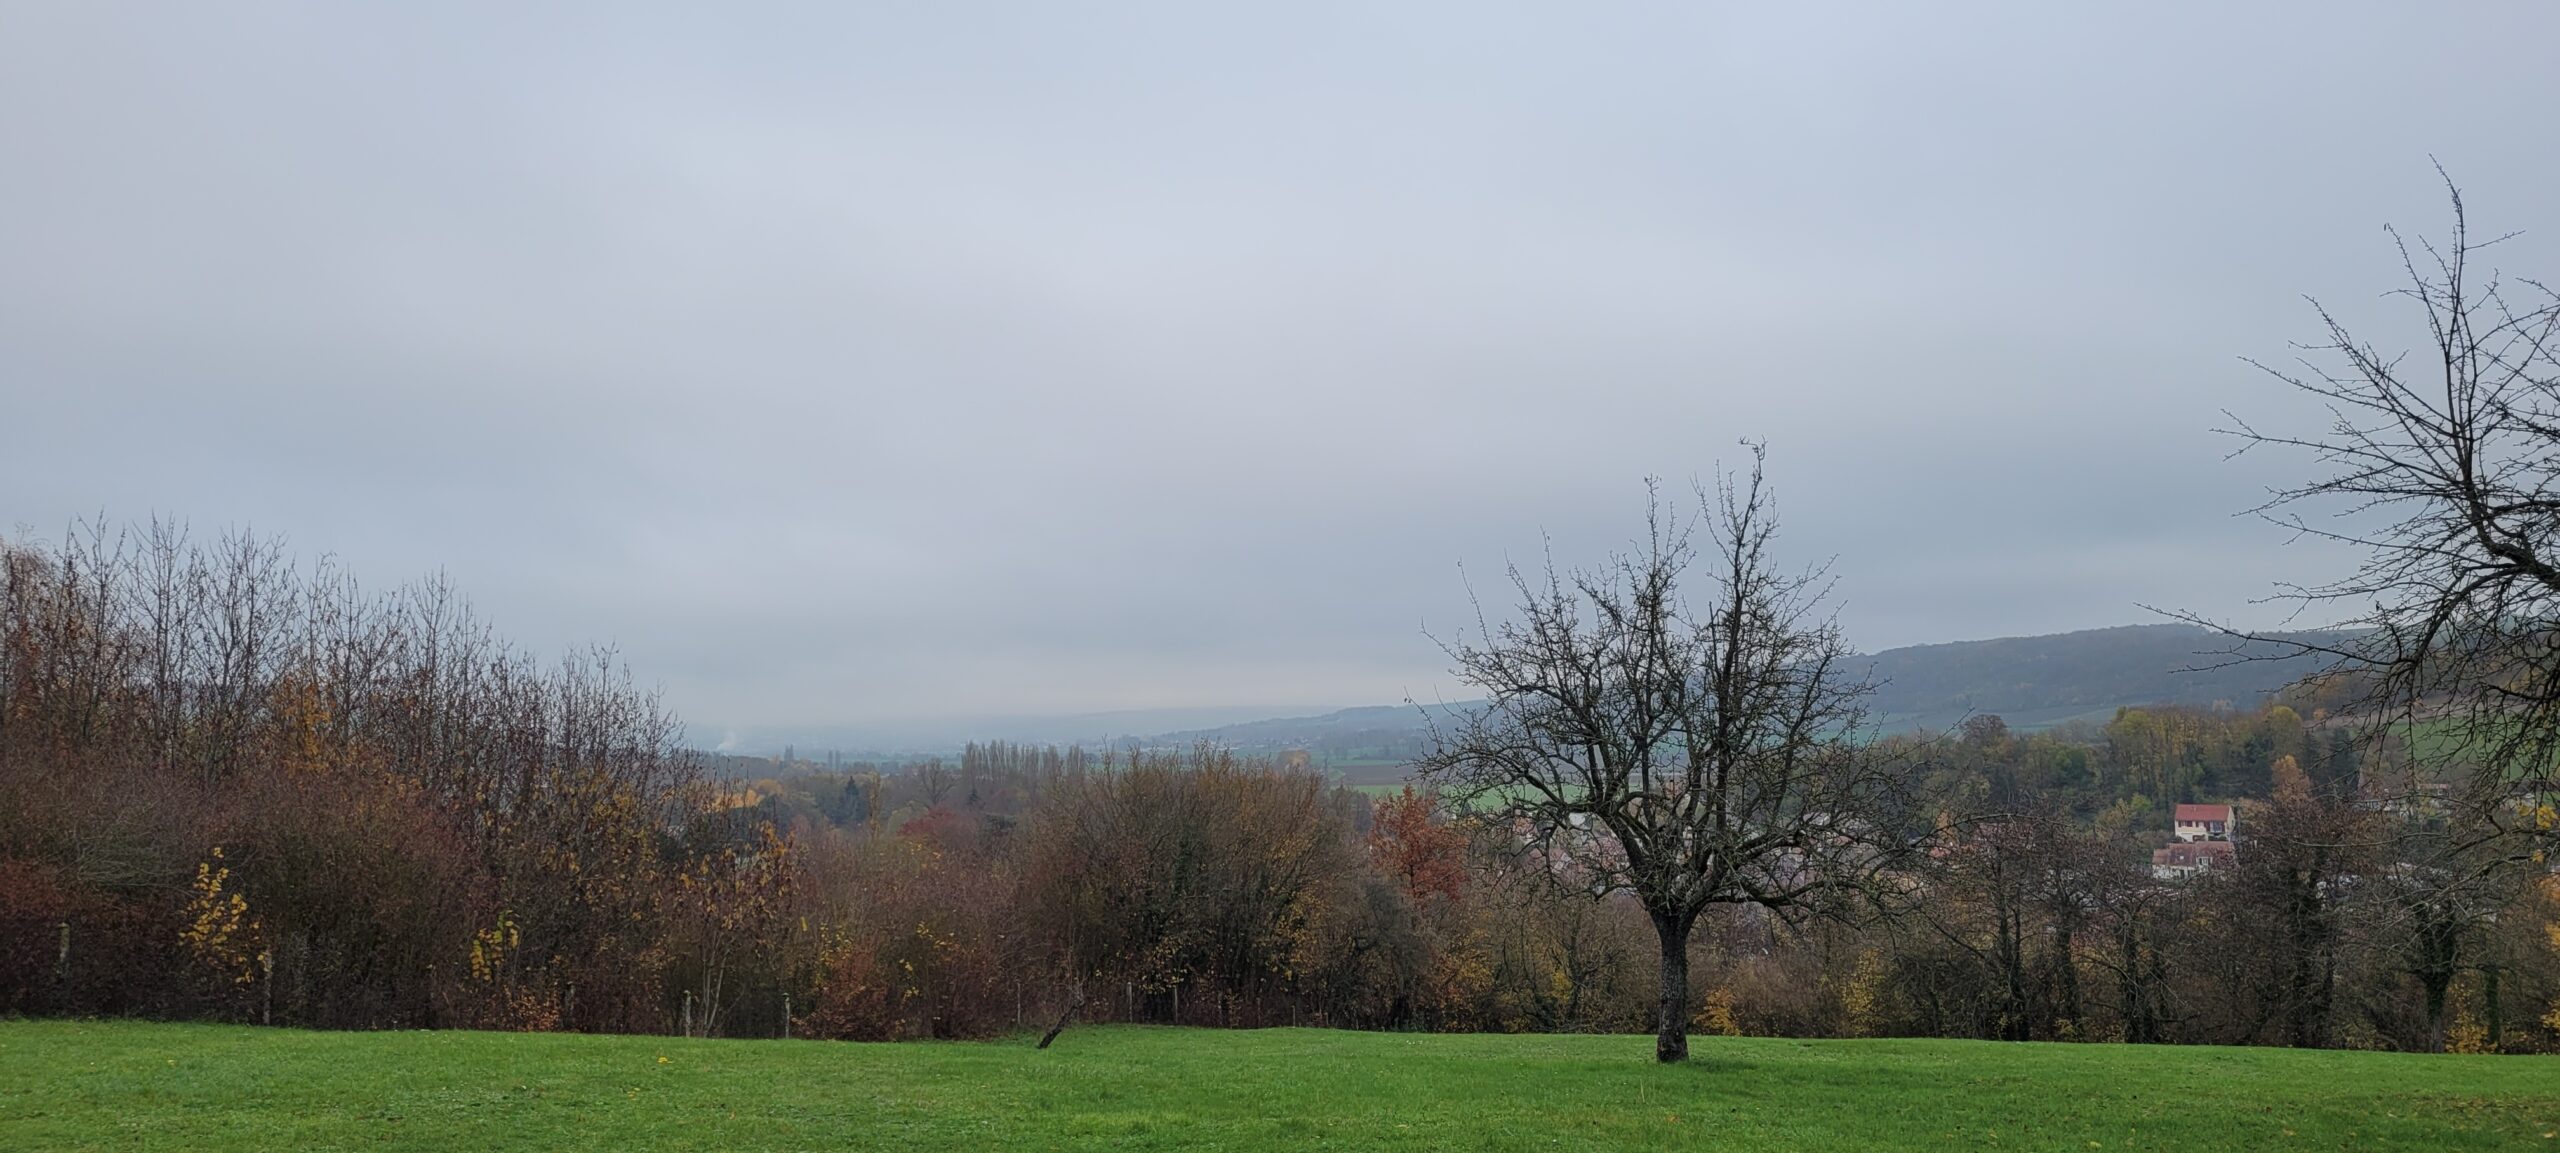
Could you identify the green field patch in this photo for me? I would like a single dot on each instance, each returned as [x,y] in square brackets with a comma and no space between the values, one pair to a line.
[119,1085]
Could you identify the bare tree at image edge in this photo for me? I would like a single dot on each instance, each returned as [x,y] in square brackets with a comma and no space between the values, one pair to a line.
[1689,754]
[2442,469]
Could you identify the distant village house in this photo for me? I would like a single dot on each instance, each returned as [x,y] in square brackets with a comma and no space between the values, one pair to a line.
[2203,823]
[2199,841]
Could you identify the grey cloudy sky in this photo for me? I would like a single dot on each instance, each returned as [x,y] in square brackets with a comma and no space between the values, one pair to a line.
[855,362]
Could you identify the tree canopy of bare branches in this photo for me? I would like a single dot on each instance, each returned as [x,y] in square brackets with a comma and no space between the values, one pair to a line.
[2441,468]
[1691,754]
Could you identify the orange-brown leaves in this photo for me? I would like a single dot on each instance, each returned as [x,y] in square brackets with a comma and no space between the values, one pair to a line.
[1407,841]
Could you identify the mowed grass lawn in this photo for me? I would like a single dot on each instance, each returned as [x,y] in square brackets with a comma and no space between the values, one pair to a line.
[119,1085]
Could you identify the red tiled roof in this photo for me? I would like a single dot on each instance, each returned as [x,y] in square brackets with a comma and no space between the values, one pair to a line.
[2188,854]
[2205,813]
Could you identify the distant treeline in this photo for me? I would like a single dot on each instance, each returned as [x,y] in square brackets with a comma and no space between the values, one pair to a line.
[236,787]
[2350,917]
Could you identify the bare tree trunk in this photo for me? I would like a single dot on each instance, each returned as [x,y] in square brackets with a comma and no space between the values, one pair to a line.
[2133,991]
[2439,952]
[2435,988]
[2495,1012]
[1075,1001]
[2066,976]
[1671,1022]
[2314,970]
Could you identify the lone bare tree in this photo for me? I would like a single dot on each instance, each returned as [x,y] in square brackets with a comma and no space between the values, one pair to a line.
[1689,754]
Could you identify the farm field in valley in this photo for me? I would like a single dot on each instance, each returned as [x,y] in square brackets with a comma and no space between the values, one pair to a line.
[126,1085]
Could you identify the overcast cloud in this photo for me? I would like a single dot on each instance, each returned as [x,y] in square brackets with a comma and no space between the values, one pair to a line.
[855,363]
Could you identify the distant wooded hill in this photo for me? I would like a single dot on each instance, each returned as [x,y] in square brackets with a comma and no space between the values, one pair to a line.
[2037,682]
[2032,682]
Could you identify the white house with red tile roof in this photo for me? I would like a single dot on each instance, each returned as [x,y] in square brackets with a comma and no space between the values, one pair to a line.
[2203,823]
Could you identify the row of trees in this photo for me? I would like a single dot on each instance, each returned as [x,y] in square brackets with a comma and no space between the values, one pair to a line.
[254,792]
[234,785]
[2345,918]
[1197,889]
[238,787]
[2130,772]
[1188,887]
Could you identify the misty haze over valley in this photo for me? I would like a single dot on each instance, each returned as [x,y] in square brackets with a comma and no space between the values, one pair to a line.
[2032,682]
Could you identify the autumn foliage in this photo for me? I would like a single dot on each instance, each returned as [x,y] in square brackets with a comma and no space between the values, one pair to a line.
[233,788]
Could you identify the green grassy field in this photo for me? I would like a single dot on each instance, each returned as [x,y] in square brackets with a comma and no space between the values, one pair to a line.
[2453,746]
[88,1085]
